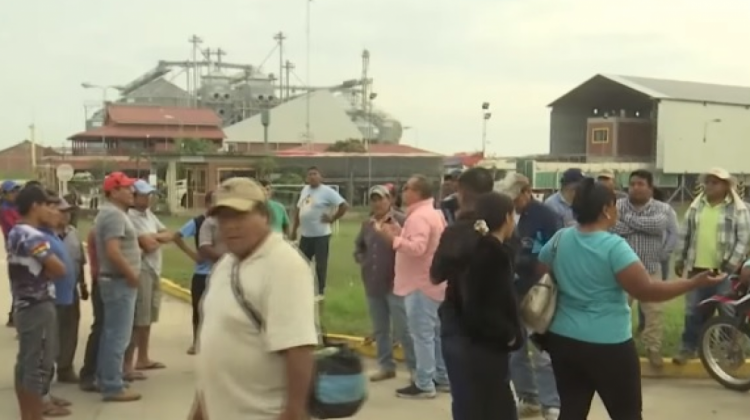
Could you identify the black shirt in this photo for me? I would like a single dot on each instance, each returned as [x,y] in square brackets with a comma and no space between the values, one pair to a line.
[480,300]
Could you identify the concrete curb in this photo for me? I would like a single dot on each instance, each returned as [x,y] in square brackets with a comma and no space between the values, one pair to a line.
[692,370]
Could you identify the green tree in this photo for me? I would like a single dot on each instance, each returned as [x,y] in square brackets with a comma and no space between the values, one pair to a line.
[265,166]
[194,147]
[347,146]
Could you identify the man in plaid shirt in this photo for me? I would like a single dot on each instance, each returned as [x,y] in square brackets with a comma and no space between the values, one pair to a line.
[714,236]
[643,222]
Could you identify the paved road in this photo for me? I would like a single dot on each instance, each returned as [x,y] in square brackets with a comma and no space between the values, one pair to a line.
[168,393]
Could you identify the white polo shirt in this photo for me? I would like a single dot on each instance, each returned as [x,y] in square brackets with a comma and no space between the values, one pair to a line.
[239,369]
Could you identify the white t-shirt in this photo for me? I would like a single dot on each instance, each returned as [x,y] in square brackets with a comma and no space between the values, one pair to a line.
[146,223]
[239,369]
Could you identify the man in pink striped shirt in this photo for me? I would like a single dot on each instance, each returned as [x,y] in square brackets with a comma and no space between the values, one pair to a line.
[415,245]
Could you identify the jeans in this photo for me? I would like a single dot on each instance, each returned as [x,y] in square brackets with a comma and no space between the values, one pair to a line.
[424,327]
[91,356]
[534,380]
[118,300]
[480,388]
[317,248]
[388,313]
[694,319]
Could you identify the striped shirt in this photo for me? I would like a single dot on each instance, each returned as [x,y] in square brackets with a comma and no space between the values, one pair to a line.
[644,228]
[734,234]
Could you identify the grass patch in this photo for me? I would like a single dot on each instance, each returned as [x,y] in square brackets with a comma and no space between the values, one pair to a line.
[346,308]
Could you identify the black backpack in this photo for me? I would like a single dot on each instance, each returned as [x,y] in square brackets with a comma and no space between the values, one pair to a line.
[198,221]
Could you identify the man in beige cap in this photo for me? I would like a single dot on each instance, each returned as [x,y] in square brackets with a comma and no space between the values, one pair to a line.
[714,236]
[607,177]
[257,337]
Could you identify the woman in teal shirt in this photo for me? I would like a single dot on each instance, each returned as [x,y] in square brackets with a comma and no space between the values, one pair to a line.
[590,339]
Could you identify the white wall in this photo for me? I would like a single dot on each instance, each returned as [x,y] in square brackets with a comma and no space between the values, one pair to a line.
[329,122]
[680,137]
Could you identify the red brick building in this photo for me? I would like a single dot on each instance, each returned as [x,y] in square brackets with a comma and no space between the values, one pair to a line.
[16,161]
[132,129]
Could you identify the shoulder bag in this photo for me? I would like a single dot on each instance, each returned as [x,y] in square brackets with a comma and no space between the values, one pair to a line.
[339,387]
[540,303]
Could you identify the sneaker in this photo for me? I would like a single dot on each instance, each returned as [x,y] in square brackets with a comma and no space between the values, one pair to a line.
[443,388]
[414,393]
[551,413]
[654,359]
[382,375]
[683,357]
[125,395]
[527,408]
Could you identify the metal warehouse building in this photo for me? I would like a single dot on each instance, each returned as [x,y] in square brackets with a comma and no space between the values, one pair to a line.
[680,127]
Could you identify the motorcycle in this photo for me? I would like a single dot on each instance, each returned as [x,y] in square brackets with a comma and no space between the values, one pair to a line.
[725,339]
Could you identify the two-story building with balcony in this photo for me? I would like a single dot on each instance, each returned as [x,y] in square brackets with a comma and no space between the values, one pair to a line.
[132,133]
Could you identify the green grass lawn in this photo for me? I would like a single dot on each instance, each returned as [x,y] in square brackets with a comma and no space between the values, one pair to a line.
[346,309]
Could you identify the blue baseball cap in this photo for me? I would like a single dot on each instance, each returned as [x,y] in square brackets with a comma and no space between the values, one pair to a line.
[143,187]
[571,176]
[9,185]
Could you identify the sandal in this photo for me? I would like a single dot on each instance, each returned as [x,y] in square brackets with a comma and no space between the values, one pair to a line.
[133,376]
[52,410]
[59,402]
[151,366]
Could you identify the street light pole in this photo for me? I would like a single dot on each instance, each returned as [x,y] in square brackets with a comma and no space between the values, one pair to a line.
[103,89]
[307,74]
[486,115]
[370,133]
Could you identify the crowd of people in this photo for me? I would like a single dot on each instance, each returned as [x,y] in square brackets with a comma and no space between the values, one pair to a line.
[606,249]
[443,278]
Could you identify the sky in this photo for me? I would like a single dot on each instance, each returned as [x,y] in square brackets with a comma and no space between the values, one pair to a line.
[433,62]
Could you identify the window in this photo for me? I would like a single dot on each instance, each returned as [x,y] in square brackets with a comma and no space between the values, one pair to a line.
[600,135]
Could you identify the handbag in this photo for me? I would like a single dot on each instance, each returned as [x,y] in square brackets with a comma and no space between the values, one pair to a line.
[339,387]
[540,303]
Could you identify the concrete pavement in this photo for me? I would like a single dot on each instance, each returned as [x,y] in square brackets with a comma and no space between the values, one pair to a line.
[168,393]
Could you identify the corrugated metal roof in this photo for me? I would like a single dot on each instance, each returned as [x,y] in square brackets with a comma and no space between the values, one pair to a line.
[162,115]
[158,89]
[317,149]
[685,91]
[161,132]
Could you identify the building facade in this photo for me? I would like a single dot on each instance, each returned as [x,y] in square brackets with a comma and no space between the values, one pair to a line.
[679,127]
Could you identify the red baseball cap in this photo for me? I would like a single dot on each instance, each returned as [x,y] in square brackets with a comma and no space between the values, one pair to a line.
[117,180]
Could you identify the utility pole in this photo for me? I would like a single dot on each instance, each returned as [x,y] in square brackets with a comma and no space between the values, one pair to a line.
[280,38]
[208,55]
[219,53]
[195,40]
[288,67]
[486,115]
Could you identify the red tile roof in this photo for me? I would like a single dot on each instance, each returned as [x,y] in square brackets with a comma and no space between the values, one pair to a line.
[158,132]
[379,149]
[161,115]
